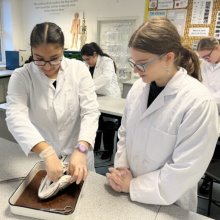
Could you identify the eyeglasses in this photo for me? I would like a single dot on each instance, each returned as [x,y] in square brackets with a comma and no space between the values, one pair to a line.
[54,62]
[143,66]
[206,57]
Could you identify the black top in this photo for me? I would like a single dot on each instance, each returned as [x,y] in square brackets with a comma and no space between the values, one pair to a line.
[91,70]
[55,84]
[154,92]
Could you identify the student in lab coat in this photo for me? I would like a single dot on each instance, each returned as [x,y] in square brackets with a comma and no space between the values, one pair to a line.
[170,124]
[209,51]
[52,105]
[103,71]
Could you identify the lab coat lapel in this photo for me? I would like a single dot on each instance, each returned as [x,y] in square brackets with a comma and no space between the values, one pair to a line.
[60,78]
[60,82]
[155,105]
[171,89]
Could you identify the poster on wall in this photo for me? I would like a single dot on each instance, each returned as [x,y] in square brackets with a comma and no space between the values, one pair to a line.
[64,13]
[54,7]
[158,13]
[153,4]
[178,18]
[165,4]
[202,11]
[180,3]
[199,32]
[217,26]
[75,30]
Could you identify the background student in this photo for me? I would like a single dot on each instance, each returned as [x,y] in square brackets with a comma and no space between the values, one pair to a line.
[169,119]
[52,106]
[103,71]
[209,51]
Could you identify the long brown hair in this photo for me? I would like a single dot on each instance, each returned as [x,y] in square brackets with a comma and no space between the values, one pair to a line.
[159,36]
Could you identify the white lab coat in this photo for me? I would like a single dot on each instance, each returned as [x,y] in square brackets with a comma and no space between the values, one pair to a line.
[38,112]
[169,145]
[211,79]
[105,78]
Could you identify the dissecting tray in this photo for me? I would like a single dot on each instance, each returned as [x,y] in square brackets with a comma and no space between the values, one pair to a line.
[24,201]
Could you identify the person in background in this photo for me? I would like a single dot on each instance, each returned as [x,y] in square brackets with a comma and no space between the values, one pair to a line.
[169,119]
[52,106]
[103,71]
[208,50]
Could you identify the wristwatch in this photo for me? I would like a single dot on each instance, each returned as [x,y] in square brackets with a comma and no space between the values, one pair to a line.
[82,148]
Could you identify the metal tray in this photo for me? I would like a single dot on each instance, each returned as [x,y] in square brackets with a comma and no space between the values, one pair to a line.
[42,209]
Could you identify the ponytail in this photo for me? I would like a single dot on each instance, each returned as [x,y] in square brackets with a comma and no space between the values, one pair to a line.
[189,60]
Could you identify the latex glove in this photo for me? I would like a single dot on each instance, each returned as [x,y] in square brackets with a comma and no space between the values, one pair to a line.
[119,179]
[78,166]
[53,167]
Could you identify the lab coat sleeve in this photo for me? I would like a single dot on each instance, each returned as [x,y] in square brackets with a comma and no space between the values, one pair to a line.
[17,115]
[89,108]
[121,155]
[196,140]
[104,74]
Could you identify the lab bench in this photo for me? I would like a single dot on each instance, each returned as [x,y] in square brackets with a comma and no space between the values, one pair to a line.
[98,201]
[127,86]
[109,106]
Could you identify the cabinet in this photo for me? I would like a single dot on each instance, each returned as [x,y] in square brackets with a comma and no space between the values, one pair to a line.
[4,79]
[3,89]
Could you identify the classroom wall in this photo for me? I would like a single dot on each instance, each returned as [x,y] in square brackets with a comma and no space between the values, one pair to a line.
[12,26]
[24,16]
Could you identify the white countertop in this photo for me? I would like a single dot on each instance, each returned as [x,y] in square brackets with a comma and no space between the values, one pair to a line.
[107,104]
[13,162]
[111,105]
[98,201]
[4,73]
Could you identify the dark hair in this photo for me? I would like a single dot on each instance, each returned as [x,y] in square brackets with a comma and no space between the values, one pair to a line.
[159,36]
[207,43]
[29,60]
[91,48]
[46,32]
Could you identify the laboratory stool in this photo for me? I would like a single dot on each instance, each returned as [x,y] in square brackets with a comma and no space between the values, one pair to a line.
[106,132]
[213,175]
[213,172]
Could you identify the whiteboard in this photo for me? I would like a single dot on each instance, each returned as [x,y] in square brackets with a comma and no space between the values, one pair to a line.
[113,38]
